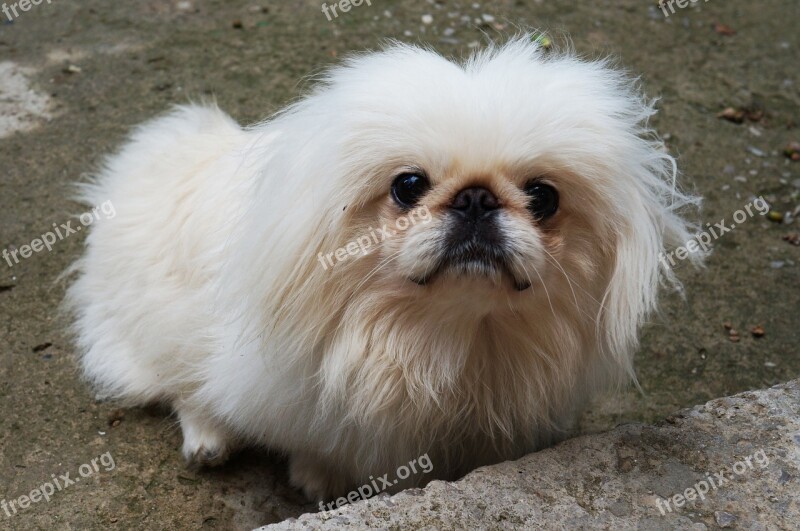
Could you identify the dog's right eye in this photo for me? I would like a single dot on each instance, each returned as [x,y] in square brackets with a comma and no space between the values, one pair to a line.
[408,188]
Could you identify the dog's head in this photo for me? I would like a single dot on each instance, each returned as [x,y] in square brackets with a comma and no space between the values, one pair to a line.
[517,199]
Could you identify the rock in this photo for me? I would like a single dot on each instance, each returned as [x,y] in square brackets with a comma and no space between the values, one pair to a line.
[724,519]
[633,477]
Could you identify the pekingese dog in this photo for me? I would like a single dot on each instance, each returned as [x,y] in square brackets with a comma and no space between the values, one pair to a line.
[418,257]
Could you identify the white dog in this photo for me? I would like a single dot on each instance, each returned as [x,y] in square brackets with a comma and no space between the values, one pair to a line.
[220,287]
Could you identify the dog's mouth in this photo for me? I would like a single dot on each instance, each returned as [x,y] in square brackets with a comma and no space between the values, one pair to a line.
[475,261]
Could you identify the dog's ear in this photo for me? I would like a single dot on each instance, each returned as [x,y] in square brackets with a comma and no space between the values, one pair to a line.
[632,291]
[640,264]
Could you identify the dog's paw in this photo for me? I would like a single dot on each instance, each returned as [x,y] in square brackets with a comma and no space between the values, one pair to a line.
[205,455]
[204,445]
[317,481]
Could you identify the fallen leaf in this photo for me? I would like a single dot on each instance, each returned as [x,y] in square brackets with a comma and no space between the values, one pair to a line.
[792,151]
[724,29]
[732,115]
[793,238]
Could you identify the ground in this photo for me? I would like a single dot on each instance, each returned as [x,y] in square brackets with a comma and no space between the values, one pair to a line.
[76,76]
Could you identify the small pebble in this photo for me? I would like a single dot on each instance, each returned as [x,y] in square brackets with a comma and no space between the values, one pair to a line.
[546,43]
[427,19]
[775,216]
[769,365]
[115,417]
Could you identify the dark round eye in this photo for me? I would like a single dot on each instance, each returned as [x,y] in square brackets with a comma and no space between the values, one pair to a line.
[543,199]
[407,188]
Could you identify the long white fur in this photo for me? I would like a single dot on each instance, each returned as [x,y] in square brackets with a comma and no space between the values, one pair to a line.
[205,290]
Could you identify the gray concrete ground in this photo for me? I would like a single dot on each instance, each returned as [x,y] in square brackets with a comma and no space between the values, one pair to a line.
[75,76]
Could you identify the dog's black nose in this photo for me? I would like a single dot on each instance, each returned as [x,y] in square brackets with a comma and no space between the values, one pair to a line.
[474,202]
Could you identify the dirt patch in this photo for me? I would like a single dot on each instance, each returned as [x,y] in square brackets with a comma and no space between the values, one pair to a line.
[21,107]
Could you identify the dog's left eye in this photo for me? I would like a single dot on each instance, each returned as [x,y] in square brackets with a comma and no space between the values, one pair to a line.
[408,188]
[543,199]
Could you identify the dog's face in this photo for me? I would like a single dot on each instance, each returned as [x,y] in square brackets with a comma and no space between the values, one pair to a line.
[485,230]
[527,177]
[499,230]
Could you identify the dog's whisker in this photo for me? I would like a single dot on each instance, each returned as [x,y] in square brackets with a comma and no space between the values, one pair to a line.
[569,281]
